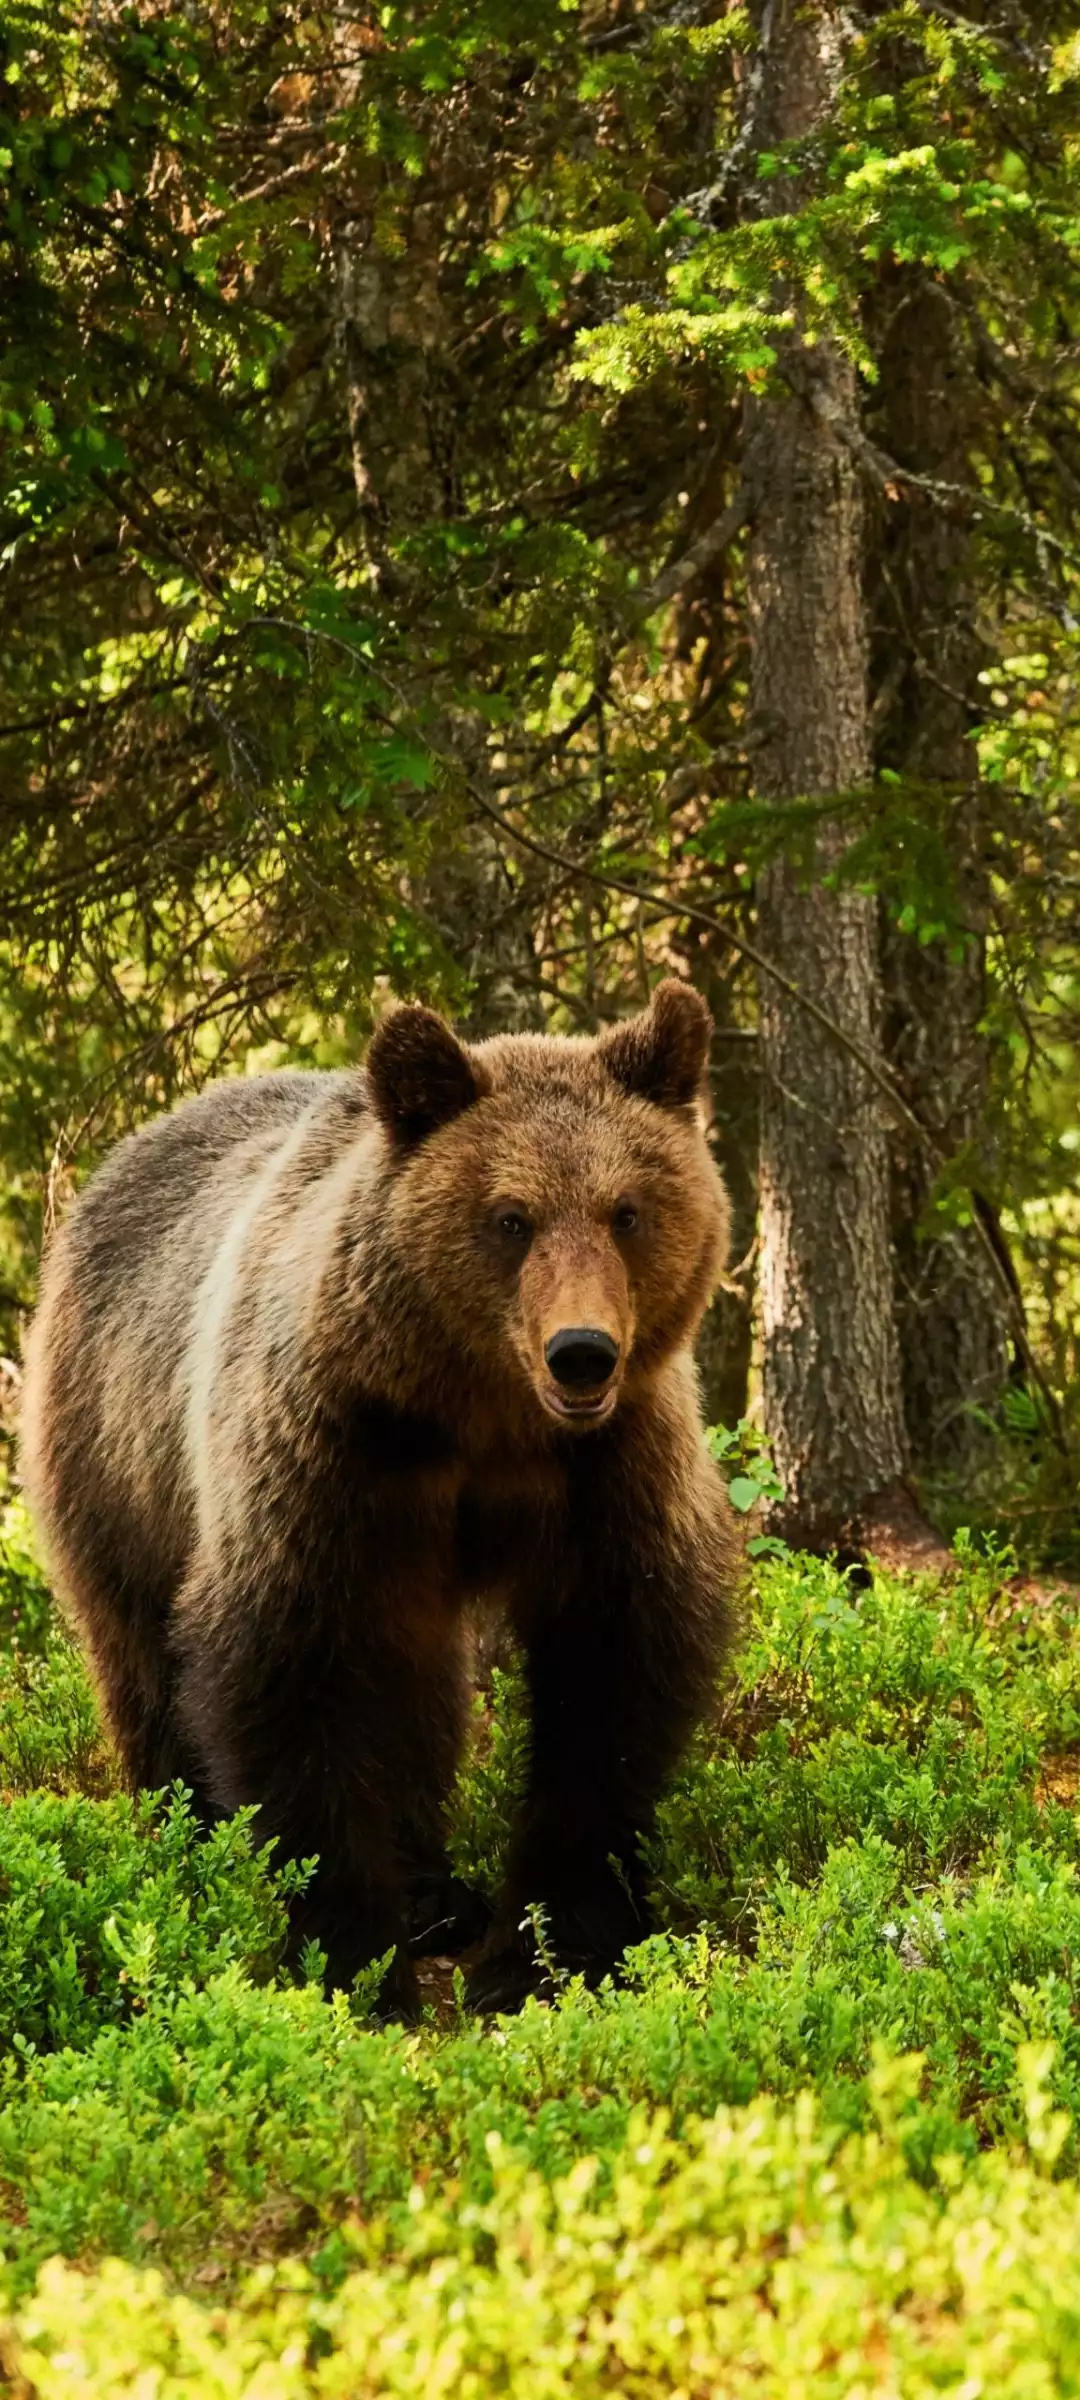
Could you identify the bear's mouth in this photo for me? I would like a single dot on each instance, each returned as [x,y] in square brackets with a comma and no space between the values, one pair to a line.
[589,1408]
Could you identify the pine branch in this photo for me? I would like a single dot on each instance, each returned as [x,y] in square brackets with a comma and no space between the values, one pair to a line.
[672,579]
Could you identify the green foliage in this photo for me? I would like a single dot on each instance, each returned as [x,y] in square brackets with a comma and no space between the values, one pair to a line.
[845,2085]
[358,381]
[103,1900]
[748,2255]
[50,1735]
[26,1610]
[1025,1481]
[895,1712]
[218,2111]
[354,394]
[49,1729]
[106,1902]
[492,1781]
[744,1454]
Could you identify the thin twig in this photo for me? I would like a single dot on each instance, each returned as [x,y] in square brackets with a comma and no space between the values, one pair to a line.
[692,562]
[672,579]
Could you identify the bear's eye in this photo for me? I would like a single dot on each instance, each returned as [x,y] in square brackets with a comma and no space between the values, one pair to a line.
[514,1226]
[625,1217]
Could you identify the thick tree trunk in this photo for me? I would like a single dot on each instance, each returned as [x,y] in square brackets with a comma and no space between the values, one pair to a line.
[952,1314]
[831,1365]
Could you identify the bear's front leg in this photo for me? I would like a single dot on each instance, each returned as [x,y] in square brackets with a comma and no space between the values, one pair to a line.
[345,1733]
[624,1622]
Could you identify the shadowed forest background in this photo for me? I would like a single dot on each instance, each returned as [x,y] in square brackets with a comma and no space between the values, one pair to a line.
[499,503]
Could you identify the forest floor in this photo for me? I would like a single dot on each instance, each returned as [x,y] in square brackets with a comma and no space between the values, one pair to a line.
[824,2140]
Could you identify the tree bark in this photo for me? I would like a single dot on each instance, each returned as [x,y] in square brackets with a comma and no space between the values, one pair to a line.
[951,1311]
[831,1363]
[724,1347]
[725,1338]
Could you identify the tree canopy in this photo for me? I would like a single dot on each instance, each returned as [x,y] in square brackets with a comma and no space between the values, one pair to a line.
[377,494]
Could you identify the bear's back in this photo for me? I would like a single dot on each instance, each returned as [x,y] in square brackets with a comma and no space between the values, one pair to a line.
[195,1157]
[103,1393]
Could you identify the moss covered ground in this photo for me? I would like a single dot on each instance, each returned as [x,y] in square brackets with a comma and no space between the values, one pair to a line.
[824,2139]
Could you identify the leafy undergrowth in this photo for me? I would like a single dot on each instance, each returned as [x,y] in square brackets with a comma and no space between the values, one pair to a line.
[824,2138]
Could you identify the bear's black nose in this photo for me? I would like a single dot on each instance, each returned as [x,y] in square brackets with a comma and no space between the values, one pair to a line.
[578,1354]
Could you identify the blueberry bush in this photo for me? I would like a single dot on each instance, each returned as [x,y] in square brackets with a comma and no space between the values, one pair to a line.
[821,2138]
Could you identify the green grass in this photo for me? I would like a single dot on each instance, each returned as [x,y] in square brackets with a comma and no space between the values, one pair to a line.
[823,2140]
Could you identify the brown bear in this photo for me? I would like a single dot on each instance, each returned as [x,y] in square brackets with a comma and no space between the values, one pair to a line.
[320,1358]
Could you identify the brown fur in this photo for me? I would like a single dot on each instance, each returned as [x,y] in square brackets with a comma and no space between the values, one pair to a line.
[287,1409]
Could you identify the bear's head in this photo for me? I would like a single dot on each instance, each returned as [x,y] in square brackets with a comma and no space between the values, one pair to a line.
[553,1201]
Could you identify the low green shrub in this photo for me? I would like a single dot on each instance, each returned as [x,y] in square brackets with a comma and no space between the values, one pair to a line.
[105,1903]
[195,2112]
[913,1711]
[753,2254]
[216,2115]
[26,1607]
[491,1782]
[50,1731]
[820,2139]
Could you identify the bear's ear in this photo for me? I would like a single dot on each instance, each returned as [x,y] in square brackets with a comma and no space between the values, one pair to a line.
[418,1075]
[661,1056]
